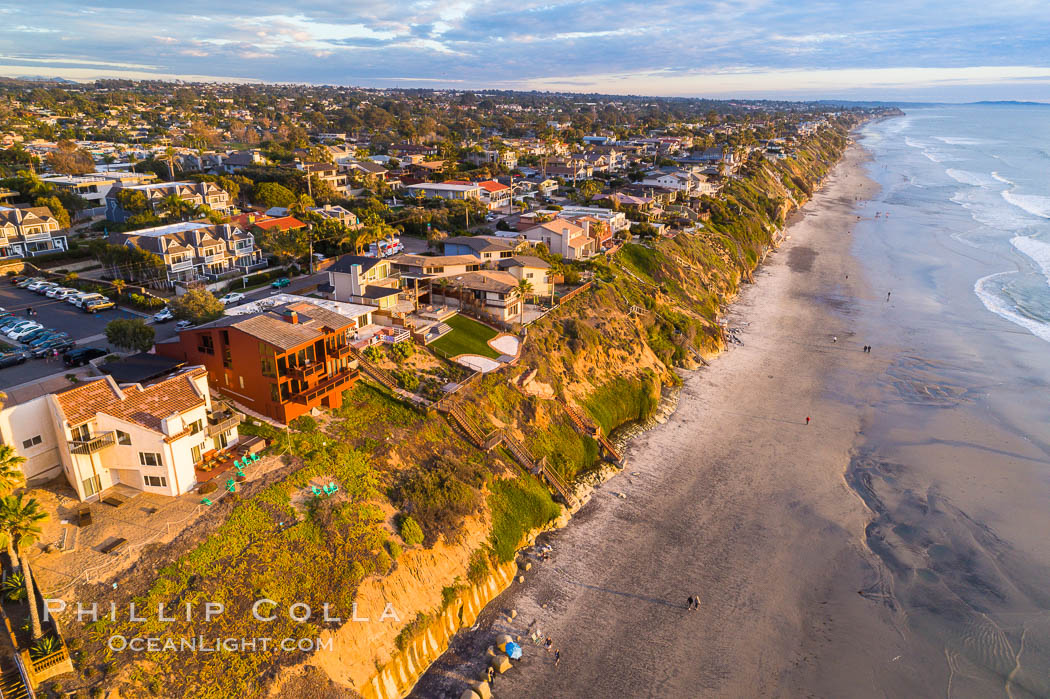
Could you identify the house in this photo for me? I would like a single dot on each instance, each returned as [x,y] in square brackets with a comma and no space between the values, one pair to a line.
[96,186]
[495,194]
[678,180]
[502,157]
[371,172]
[196,193]
[281,362]
[493,293]
[487,248]
[563,237]
[326,172]
[444,190]
[238,160]
[25,232]
[282,224]
[627,201]
[100,433]
[615,220]
[402,149]
[197,250]
[532,269]
[364,280]
[433,266]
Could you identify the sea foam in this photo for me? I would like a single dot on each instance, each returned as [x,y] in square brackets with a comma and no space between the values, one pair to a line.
[1037,250]
[1034,204]
[975,179]
[994,303]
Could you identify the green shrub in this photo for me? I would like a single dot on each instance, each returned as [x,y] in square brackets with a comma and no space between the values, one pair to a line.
[208,487]
[400,351]
[373,353]
[406,379]
[517,506]
[393,548]
[410,531]
[478,566]
[383,562]
[437,496]
[304,423]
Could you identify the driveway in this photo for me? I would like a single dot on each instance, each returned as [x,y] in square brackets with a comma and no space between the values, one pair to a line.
[85,328]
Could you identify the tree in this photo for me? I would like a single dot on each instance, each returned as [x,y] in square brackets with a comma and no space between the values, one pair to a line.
[54,205]
[524,289]
[197,306]
[20,523]
[270,194]
[67,159]
[130,334]
[11,476]
[177,207]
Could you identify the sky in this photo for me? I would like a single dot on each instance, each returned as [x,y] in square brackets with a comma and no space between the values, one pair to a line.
[803,49]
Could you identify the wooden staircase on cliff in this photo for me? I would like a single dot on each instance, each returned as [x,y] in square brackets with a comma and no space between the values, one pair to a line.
[377,373]
[12,686]
[586,427]
[523,456]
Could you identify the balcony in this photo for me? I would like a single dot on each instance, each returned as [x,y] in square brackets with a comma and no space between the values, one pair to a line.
[213,259]
[338,351]
[90,446]
[306,371]
[331,384]
[223,419]
[180,266]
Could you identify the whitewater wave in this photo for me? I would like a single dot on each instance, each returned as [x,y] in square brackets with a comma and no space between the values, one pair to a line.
[1002,179]
[960,140]
[975,179]
[1035,204]
[1037,250]
[985,211]
[913,143]
[995,303]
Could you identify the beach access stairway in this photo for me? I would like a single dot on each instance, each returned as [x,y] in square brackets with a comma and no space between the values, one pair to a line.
[586,427]
[12,685]
[377,373]
[516,448]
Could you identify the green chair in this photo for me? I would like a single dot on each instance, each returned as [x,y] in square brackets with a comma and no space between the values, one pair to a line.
[316,490]
[231,486]
[206,501]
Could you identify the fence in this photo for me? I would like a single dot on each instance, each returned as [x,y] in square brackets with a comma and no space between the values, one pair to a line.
[567,297]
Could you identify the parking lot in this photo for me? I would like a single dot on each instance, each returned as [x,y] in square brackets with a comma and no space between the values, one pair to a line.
[58,315]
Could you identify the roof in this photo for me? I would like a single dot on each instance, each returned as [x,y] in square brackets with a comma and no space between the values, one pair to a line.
[140,367]
[344,263]
[486,281]
[437,186]
[271,326]
[378,292]
[524,261]
[481,243]
[147,406]
[559,225]
[284,223]
[433,260]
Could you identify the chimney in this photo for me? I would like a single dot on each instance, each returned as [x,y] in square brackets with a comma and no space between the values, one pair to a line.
[291,316]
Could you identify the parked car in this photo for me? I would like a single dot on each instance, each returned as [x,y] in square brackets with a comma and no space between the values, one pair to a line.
[280,283]
[60,292]
[33,286]
[17,278]
[23,330]
[61,344]
[183,324]
[163,315]
[82,355]
[44,287]
[45,339]
[82,299]
[9,323]
[12,358]
[35,335]
[26,283]
[232,297]
[17,325]
[96,305]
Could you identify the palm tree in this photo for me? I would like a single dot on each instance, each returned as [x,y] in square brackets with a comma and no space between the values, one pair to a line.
[175,206]
[11,476]
[524,289]
[118,286]
[21,522]
[169,155]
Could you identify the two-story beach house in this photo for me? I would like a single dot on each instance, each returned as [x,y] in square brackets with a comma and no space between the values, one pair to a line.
[29,231]
[197,250]
[197,193]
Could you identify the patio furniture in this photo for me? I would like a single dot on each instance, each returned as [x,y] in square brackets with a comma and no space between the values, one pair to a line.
[206,501]
[83,516]
[231,486]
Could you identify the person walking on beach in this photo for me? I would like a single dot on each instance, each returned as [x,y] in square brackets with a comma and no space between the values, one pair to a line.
[807,419]
[888,295]
[557,657]
[548,643]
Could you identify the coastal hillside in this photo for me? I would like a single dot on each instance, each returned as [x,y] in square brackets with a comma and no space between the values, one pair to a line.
[415,493]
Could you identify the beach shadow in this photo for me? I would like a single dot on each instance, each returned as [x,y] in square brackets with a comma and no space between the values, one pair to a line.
[763,417]
[630,595]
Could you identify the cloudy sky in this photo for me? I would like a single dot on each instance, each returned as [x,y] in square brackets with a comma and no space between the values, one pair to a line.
[889,49]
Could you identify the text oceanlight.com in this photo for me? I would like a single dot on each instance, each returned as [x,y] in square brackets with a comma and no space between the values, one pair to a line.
[203,644]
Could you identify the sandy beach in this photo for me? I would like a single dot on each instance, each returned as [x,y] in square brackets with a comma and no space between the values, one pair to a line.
[735,499]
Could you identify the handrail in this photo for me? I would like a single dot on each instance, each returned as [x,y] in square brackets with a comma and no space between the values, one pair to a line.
[90,446]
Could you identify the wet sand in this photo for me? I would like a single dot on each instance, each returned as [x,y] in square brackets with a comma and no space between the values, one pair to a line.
[734,499]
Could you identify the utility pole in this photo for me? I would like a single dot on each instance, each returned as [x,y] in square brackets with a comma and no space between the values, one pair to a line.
[310,238]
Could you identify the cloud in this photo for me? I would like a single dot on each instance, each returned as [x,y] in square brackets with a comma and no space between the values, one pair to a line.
[687,45]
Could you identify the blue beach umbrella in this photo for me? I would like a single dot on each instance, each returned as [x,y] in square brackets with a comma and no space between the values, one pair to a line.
[513,651]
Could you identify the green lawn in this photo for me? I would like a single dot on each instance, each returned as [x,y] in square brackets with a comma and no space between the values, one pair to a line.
[468,336]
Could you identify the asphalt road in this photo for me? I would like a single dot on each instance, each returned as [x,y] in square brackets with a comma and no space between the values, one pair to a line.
[62,316]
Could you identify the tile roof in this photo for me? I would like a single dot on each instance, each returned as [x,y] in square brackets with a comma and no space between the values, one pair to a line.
[524,261]
[144,405]
[285,223]
[487,281]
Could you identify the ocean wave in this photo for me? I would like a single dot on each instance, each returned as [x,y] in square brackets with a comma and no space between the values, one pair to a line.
[913,143]
[960,140]
[1002,179]
[988,213]
[995,303]
[1037,250]
[1035,204]
[975,179]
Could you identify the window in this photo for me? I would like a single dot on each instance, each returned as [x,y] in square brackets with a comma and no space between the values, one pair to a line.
[275,395]
[205,344]
[266,367]
[225,335]
[91,486]
[149,458]
[195,452]
[241,379]
[196,427]
[156,481]
[227,357]
[123,438]
[81,433]
[31,442]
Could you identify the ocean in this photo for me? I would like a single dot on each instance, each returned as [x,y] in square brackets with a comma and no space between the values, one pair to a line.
[953,459]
